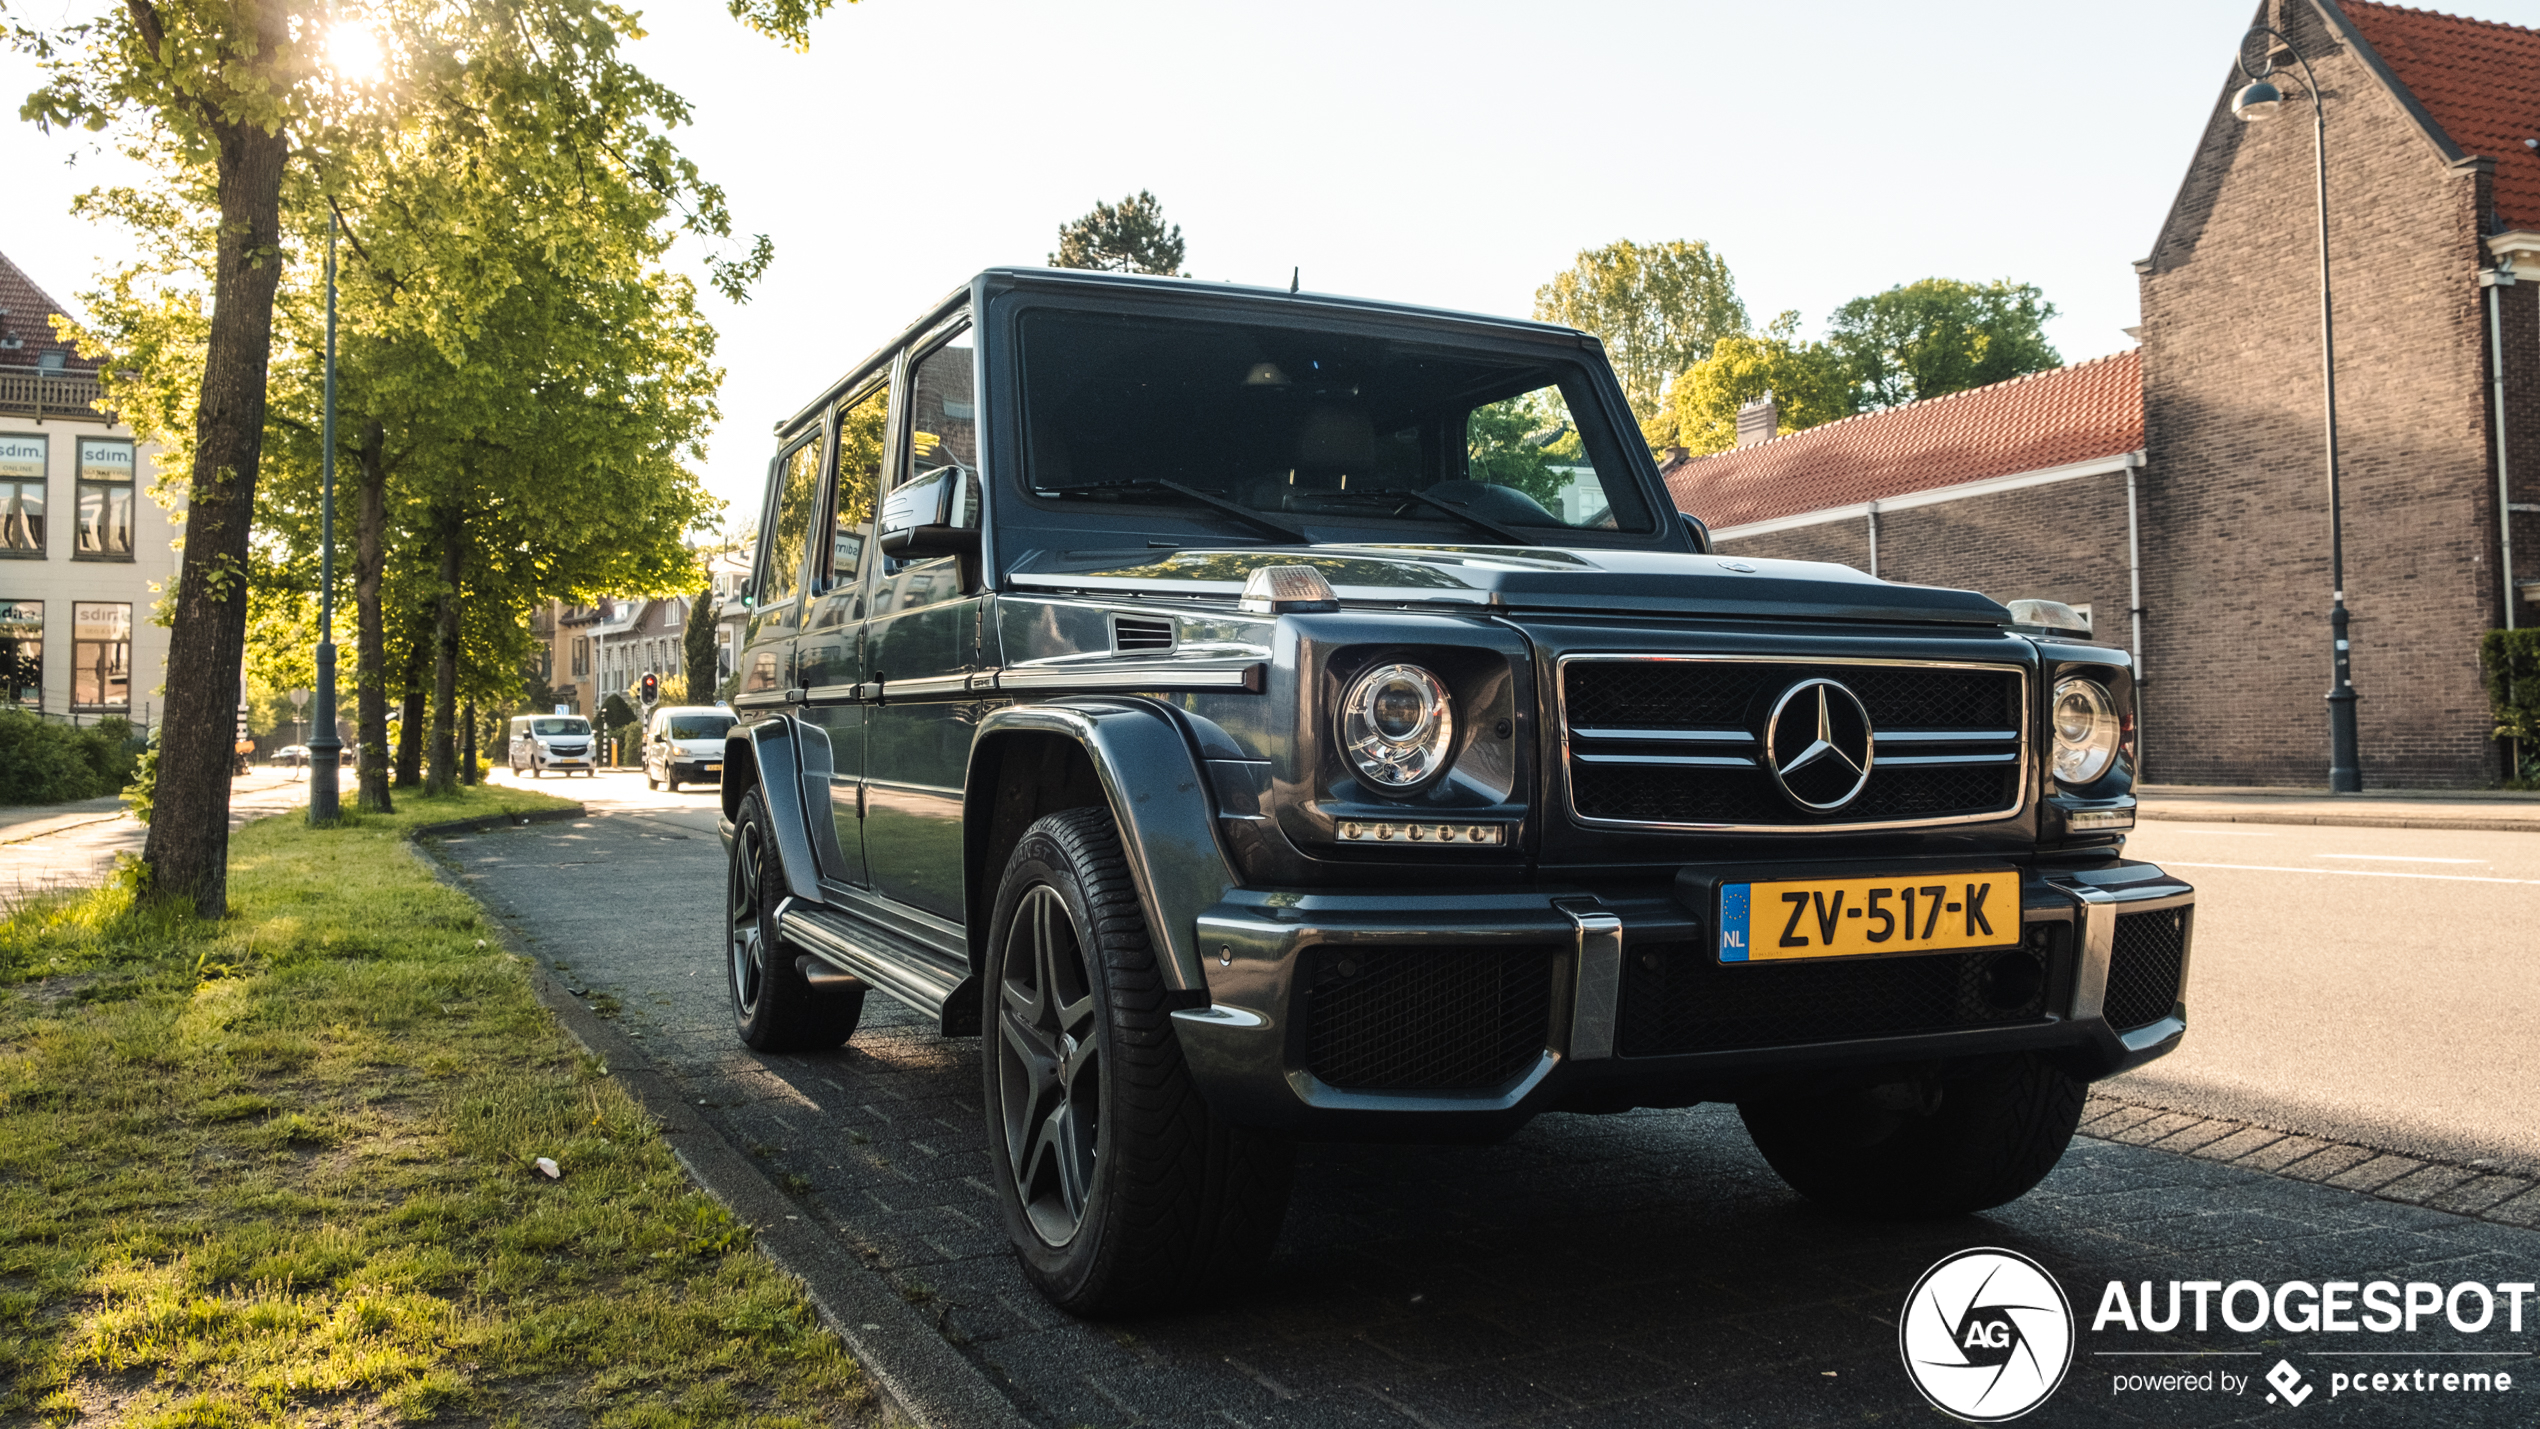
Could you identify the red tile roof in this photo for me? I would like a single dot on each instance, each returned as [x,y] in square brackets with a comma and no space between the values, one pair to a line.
[2477,79]
[2072,414]
[2481,82]
[27,308]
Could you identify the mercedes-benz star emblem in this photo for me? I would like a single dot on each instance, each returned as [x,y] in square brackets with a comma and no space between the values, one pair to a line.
[1818,745]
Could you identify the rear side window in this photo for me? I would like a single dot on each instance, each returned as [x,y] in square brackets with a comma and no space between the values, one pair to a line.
[797,488]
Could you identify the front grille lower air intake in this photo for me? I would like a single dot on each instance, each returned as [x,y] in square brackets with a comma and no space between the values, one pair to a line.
[1677,741]
[1426,1018]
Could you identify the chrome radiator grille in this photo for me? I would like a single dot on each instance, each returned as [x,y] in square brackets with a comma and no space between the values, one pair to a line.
[1679,741]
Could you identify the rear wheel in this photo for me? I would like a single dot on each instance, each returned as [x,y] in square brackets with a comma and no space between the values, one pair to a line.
[1121,1191]
[774,1008]
[1965,1144]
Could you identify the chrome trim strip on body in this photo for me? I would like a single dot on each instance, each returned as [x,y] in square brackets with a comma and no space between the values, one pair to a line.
[1119,675]
[1569,791]
[1599,987]
[1697,761]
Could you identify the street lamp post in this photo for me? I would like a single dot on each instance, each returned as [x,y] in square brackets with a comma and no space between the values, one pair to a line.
[2260,99]
[326,749]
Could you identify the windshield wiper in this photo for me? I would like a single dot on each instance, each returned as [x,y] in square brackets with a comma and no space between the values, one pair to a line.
[1509,534]
[1261,519]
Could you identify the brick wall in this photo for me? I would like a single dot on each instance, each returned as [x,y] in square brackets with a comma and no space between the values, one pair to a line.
[2234,495]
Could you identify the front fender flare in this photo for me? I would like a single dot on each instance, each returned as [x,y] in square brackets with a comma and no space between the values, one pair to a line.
[1159,801]
[776,751]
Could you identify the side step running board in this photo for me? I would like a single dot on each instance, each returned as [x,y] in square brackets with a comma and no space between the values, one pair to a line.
[913,975]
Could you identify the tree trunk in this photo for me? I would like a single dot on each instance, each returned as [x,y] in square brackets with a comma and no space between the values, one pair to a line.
[443,775]
[369,561]
[467,751]
[188,844]
[410,714]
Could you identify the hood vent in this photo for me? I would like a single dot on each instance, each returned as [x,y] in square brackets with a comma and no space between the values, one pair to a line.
[1140,635]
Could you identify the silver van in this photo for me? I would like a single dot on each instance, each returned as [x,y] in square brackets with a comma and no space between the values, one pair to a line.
[544,742]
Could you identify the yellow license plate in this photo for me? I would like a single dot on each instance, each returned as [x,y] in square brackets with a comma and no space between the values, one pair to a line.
[1858,917]
[711,768]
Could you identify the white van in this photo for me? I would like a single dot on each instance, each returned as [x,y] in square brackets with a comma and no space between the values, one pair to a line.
[544,742]
[684,743]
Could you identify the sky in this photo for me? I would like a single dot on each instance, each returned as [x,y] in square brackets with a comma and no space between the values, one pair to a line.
[1457,155]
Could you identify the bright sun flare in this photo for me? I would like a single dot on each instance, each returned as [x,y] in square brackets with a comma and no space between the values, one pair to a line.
[353,51]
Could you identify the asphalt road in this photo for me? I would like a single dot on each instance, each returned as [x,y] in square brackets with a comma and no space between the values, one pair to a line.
[2379,986]
[1622,1270]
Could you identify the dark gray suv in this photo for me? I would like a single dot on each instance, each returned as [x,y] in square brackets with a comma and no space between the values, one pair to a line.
[1268,717]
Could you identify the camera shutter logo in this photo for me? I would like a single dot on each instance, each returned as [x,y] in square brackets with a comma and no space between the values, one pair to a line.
[1986,1335]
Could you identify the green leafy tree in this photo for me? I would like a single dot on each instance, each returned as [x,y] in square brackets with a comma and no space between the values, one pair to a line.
[1128,237]
[1657,307]
[232,101]
[1937,336]
[1809,383]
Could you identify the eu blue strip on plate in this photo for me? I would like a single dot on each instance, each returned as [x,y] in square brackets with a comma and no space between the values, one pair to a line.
[1733,921]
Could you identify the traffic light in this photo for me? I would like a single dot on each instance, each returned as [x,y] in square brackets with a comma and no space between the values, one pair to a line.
[652,688]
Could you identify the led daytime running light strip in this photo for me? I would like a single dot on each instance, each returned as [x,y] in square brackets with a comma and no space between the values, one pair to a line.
[1363,831]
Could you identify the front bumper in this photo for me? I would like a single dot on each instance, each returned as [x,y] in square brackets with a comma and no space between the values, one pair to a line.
[695,770]
[1258,1059]
[545,760]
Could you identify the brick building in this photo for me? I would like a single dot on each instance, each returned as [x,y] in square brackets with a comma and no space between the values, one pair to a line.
[2433,135]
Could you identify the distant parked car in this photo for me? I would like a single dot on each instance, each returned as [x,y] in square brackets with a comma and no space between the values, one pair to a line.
[543,742]
[292,756]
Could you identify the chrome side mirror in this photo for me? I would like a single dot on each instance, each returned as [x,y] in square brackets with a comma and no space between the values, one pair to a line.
[935,514]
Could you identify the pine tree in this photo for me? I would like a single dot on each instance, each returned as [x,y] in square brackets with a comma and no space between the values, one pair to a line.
[1128,237]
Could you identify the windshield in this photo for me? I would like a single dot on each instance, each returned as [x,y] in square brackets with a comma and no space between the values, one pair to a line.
[559,726]
[1283,430]
[698,726]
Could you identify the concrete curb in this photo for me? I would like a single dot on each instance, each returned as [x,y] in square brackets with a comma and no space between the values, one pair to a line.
[488,823]
[2478,1189]
[921,1378]
[2346,821]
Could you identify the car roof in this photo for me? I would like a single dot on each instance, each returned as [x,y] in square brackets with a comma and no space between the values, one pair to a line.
[1087,283]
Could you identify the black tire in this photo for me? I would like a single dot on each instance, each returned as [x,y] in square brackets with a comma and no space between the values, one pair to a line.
[1994,1134]
[1156,1201]
[773,1007]
[674,786]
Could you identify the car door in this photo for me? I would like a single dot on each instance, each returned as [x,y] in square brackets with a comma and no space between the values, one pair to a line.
[832,648]
[924,627]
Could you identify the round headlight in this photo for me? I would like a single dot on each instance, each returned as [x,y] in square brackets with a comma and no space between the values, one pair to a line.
[1398,724]
[2086,731]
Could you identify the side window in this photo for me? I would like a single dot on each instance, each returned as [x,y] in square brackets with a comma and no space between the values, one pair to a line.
[943,433]
[797,488]
[859,485]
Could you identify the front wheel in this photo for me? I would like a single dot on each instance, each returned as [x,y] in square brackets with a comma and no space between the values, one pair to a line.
[1121,1191]
[1988,1137]
[774,1008]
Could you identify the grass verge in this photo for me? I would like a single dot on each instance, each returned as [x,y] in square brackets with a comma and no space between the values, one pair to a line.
[280,1169]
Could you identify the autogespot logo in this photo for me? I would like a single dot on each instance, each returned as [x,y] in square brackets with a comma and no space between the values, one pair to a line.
[1987,1335]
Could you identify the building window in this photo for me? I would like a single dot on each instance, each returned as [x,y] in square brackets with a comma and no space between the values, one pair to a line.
[21,495]
[22,653]
[581,655]
[105,498]
[101,656]
[670,614]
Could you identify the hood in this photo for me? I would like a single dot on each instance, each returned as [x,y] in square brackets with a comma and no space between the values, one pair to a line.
[1523,578]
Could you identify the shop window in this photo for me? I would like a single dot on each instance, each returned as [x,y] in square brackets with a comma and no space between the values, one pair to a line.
[22,653]
[22,461]
[101,656]
[105,498]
